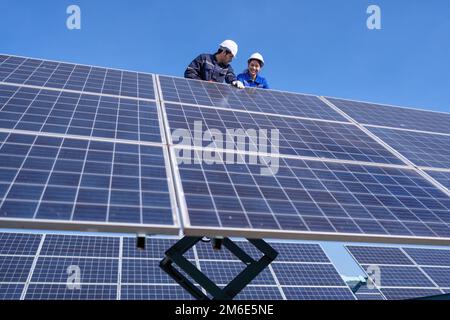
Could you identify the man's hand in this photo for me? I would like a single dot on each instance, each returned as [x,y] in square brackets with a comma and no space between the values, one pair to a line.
[238,84]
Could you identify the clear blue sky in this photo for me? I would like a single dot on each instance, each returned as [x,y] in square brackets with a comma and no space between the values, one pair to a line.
[315,46]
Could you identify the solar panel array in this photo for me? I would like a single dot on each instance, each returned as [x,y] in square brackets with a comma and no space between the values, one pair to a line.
[86,147]
[81,148]
[405,273]
[44,266]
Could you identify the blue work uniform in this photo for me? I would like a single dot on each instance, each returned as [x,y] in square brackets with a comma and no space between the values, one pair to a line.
[205,67]
[248,81]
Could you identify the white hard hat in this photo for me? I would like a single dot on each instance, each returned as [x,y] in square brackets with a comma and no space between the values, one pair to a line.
[256,56]
[230,45]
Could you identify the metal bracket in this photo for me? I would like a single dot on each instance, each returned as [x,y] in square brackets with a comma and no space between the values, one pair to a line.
[175,256]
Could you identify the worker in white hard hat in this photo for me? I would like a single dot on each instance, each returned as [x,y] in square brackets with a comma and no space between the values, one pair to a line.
[251,77]
[215,67]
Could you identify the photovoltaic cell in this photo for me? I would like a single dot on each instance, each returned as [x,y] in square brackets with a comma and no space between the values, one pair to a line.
[62,292]
[80,246]
[396,117]
[296,137]
[422,149]
[296,274]
[441,177]
[68,76]
[312,196]
[14,268]
[302,293]
[61,179]
[402,276]
[379,255]
[259,293]
[154,292]
[429,257]
[180,90]
[92,270]
[11,291]
[58,112]
[405,293]
[144,271]
[154,249]
[397,278]
[19,244]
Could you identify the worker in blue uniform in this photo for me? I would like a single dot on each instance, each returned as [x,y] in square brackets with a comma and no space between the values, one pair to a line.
[251,77]
[215,67]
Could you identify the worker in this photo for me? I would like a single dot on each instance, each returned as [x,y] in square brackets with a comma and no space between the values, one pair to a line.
[251,77]
[215,67]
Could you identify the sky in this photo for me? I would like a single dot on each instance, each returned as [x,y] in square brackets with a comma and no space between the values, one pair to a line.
[321,47]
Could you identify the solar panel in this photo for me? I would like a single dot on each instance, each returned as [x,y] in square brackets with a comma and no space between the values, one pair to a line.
[42,73]
[396,117]
[58,112]
[203,93]
[78,181]
[24,244]
[423,149]
[429,257]
[441,177]
[112,268]
[309,196]
[366,292]
[405,273]
[296,137]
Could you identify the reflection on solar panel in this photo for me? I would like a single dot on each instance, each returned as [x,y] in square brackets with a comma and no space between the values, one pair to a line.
[296,137]
[74,181]
[41,110]
[423,149]
[102,263]
[202,93]
[312,196]
[405,273]
[396,117]
[68,76]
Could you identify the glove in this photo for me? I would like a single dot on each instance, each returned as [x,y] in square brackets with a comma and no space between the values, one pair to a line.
[238,84]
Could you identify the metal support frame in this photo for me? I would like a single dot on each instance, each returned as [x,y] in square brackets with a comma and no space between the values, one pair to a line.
[174,256]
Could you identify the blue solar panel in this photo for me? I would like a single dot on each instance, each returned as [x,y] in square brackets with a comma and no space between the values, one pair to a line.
[259,293]
[15,268]
[154,292]
[24,244]
[300,253]
[405,293]
[80,246]
[441,177]
[379,255]
[92,270]
[41,110]
[180,90]
[11,291]
[223,272]
[429,257]
[62,179]
[296,274]
[396,117]
[296,137]
[312,196]
[402,276]
[440,276]
[62,292]
[302,293]
[76,77]
[422,149]
[144,271]
[369,297]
